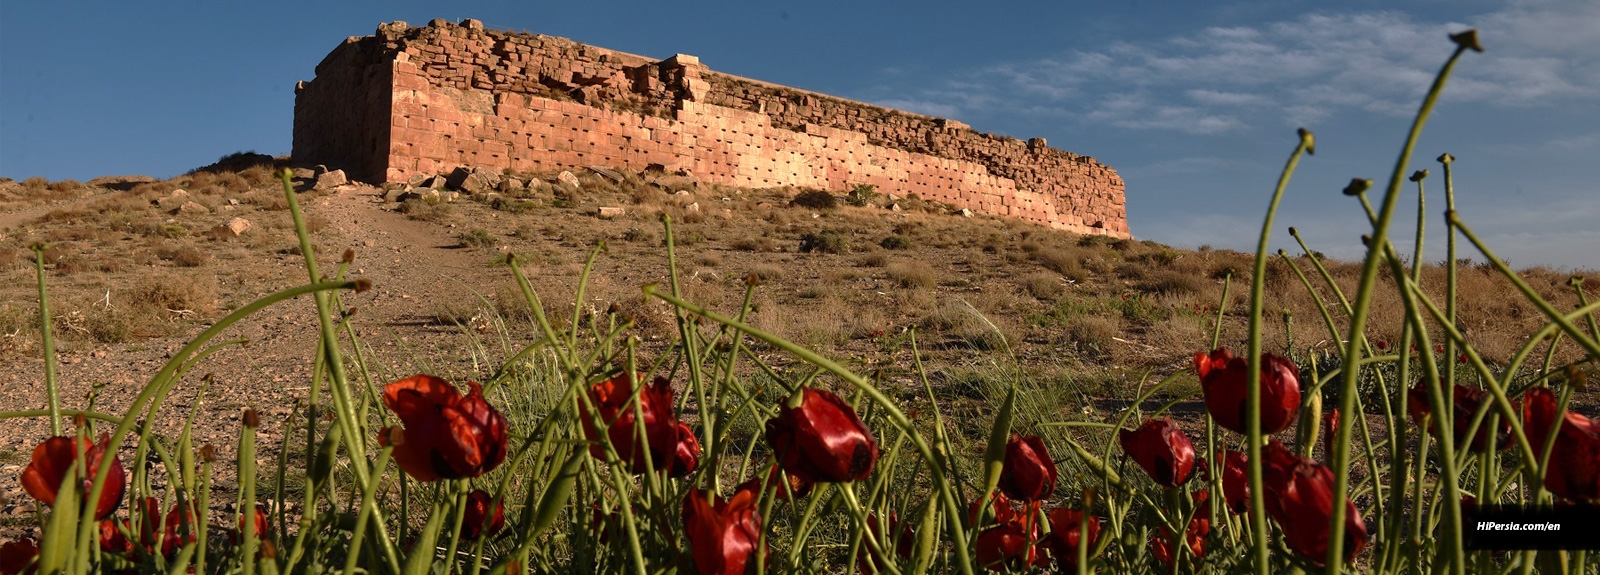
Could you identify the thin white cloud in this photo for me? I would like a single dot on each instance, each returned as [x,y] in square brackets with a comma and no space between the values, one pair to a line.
[1299,71]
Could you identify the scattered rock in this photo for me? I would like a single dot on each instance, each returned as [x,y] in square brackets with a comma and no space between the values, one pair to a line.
[673,169]
[511,185]
[609,173]
[180,193]
[415,181]
[473,180]
[447,196]
[231,229]
[606,213]
[328,180]
[693,207]
[395,195]
[894,207]
[567,178]
[233,201]
[192,208]
[965,213]
[435,182]
[682,197]
[304,174]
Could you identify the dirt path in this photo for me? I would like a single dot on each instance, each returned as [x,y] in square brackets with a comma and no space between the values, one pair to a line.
[413,265]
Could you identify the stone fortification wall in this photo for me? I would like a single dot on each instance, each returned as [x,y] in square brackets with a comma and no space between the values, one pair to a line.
[425,100]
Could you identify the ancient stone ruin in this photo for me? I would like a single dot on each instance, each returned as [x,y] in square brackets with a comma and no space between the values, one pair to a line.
[426,100]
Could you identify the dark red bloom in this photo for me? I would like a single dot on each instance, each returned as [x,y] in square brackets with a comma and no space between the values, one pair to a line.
[58,456]
[180,528]
[1000,506]
[1005,547]
[1225,380]
[796,486]
[669,443]
[1299,496]
[1065,537]
[1467,400]
[17,557]
[263,526]
[1236,481]
[1194,536]
[822,440]
[479,521]
[1029,474]
[1162,450]
[869,561]
[1573,471]
[722,534]
[446,435]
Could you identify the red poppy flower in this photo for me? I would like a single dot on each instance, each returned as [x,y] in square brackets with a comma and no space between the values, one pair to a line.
[822,439]
[1162,450]
[57,456]
[1028,474]
[669,443]
[1573,471]
[1065,536]
[1467,400]
[263,526]
[1299,496]
[685,451]
[722,534]
[1000,506]
[1225,381]
[796,486]
[179,529]
[1013,544]
[1236,481]
[1194,536]
[479,521]
[446,435]
[869,561]
[17,557]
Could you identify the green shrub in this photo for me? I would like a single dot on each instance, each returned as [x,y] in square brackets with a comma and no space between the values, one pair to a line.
[895,243]
[815,199]
[825,241]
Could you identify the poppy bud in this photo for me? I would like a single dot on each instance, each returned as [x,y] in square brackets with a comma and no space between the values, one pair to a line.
[1467,40]
[1225,381]
[1357,186]
[1029,474]
[821,439]
[1162,450]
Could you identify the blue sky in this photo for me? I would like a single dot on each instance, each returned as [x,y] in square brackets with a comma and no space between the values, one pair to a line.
[1195,104]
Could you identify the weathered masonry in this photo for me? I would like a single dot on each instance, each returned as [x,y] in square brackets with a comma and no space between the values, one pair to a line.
[426,100]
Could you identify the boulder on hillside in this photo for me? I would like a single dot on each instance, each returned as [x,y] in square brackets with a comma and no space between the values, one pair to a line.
[231,229]
[329,179]
[473,180]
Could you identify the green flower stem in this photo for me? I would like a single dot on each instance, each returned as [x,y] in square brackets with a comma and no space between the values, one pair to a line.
[894,413]
[1449,475]
[862,534]
[802,528]
[247,494]
[46,331]
[339,384]
[565,354]
[1258,521]
[690,342]
[1450,270]
[1358,325]
[1590,345]
[1222,311]
[1327,318]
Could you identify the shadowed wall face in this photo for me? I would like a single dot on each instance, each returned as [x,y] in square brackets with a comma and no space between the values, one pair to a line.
[426,100]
